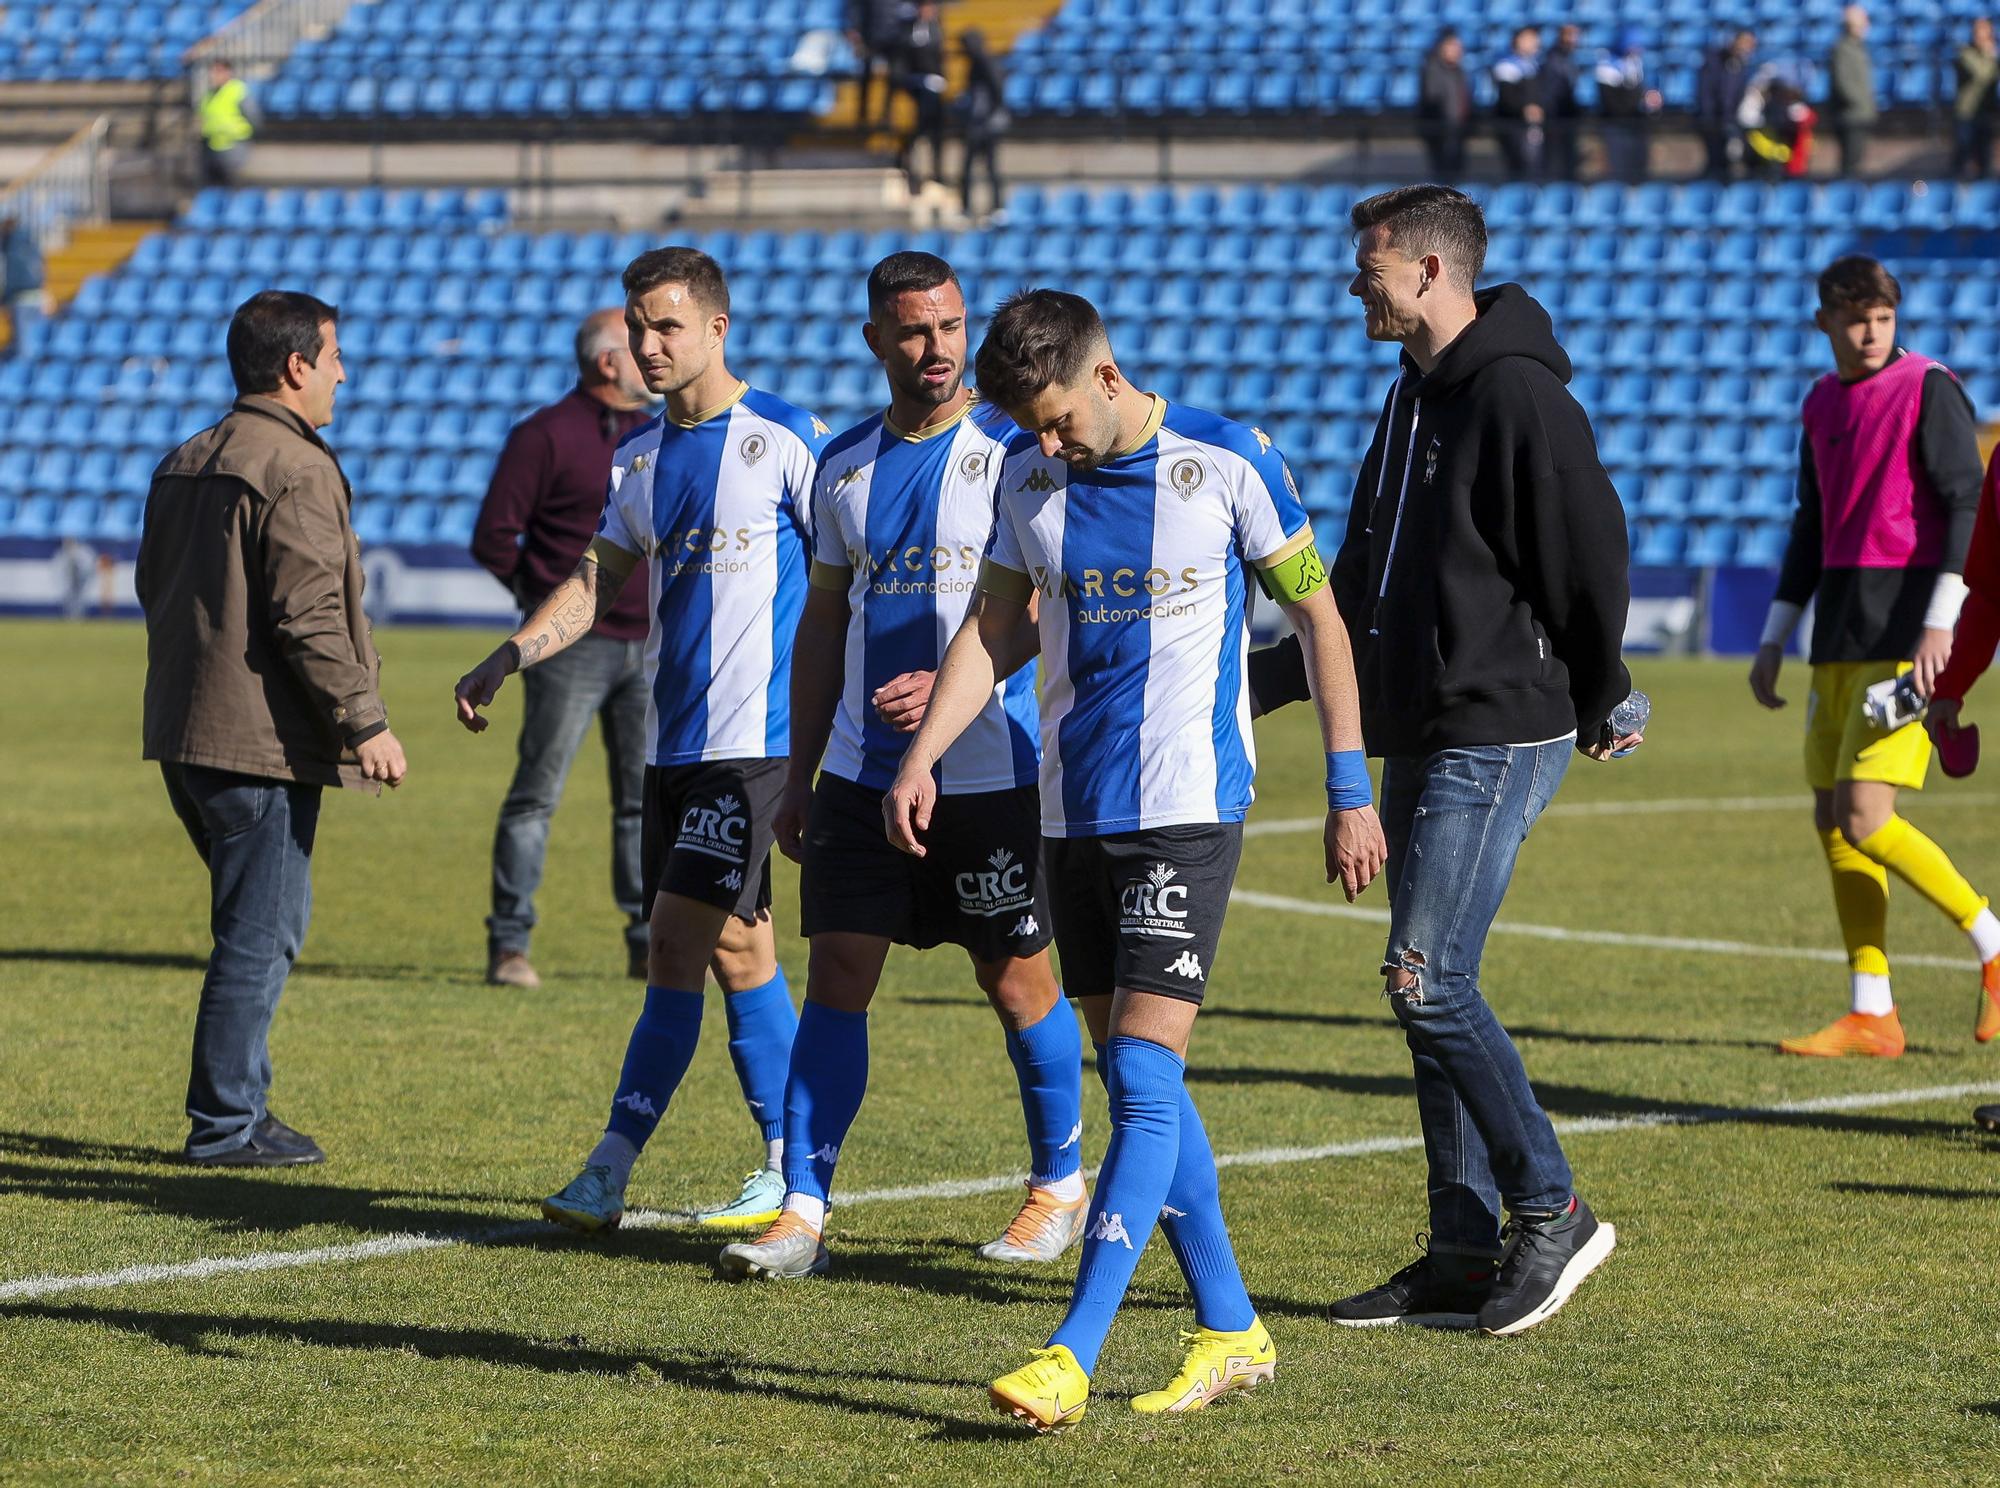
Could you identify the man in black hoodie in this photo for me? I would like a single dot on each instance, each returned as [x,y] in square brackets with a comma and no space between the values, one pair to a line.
[1483,580]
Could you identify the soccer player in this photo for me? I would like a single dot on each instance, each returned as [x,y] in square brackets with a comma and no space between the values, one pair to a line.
[903,509]
[711,496]
[1889,479]
[1137,526]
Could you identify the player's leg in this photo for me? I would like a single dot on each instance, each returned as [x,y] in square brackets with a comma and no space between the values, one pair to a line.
[623,720]
[557,700]
[1474,809]
[762,1022]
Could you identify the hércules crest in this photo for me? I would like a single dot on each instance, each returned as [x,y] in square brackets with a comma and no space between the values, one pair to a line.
[1186,477]
[753,448]
[973,466]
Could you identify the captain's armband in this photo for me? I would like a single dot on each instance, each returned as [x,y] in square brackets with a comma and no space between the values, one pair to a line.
[1002,582]
[829,576]
[610,557]
[1294,575]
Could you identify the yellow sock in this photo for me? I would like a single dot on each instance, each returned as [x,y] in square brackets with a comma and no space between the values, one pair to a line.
[1921,864]
[1861,900]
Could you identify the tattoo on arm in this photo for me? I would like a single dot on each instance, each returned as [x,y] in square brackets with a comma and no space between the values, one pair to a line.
[572,616]
[532,649]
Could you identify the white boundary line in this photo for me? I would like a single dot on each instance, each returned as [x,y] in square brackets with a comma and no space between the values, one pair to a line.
[1333,910]
[31,1287]
[1682,806]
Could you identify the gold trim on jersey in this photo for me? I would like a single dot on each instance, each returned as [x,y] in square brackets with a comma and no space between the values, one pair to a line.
[1154,419]
[1290,546]
[929,431]
[723,407]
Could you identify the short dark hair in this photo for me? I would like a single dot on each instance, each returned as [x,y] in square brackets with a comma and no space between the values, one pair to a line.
[690,266]
[268,329]
[1858,282]
[1038,338]
[909,272]
[1429,219]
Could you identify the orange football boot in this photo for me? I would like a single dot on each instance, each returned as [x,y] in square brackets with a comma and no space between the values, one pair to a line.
[1880,1035]
[1988,1026]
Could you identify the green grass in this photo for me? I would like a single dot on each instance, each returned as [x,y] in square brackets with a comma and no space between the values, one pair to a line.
[1801,1299]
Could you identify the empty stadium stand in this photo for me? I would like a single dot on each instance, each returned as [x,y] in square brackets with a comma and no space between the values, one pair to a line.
[1685,307]
[65,41]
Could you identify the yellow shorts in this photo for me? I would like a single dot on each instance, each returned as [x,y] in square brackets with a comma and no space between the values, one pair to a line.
[1842,745]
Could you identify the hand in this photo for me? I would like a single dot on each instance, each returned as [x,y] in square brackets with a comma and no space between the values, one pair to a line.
[1532,113]
[1933,651]
[480,686]
[1616,746]
[1355,849]
[382,759]
[794,806]
[906,810]
[1764,675]
[1942,719]
[901,701]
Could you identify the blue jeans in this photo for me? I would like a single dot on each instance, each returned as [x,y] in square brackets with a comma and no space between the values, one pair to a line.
[597,676]
[1455,821]
[256,836]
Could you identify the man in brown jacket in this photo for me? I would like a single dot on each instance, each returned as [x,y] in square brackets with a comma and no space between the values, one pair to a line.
[261,687]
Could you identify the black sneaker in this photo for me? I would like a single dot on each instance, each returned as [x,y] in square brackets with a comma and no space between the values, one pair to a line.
[1547,1258]
[1433,1291]
[272,1144]
[1987,1116]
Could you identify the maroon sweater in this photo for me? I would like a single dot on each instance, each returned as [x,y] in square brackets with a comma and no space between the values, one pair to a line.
[547,495]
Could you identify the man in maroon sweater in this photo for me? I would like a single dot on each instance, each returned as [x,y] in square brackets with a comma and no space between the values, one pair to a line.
[541,511]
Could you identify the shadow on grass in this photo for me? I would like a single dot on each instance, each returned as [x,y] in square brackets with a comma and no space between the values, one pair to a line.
[1918,1191]
[183,961]
[1983,1408]
[211,1335]
[1387,1022]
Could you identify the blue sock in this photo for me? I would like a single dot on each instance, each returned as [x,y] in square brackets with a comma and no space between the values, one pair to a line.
[658,1055]
[1192,1221]
[828,1078]
[761,1025]
[1048,1059]
[1145,1084]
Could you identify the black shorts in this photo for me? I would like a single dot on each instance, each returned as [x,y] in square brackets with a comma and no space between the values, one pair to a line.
[1142,909]
[707,835]
[980,886]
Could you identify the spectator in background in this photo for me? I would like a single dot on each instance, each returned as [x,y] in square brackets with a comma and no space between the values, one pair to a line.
[1625,100]
[1518,114]
[1777,122]
[21,285]
[1562,71]
[228,121]
[262,686]
[986,120]
[1444,104]
[1976,69]
[920,73]
[875,30]
[1850,94]
[541,512]
[1719,89]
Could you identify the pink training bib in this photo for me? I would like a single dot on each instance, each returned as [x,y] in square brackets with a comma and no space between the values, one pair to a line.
[1877,508]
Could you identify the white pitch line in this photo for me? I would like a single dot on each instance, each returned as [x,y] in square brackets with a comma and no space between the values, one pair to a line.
[28,1288]
[1681,806]
[1333,910]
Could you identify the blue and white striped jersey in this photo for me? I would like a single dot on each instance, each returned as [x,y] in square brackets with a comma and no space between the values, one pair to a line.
[1143,567]
[901,521]
[720,508]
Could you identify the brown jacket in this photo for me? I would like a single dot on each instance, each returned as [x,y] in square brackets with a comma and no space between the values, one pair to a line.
[258,655]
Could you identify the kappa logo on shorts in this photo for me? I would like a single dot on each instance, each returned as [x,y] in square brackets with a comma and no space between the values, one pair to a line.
[1001,889]
[719,829]
[731,880]
[1188,965]
[1026,925]
[1110,1228]
[1155,907]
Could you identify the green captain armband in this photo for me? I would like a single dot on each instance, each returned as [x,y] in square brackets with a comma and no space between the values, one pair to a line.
[1296,576]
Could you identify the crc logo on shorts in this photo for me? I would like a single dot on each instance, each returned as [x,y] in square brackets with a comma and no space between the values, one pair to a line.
[719,829]
[999,890]
[753,447]
[1155,907]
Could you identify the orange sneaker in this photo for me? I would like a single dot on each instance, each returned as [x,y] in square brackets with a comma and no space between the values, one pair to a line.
[1988,1026]
[1858,1033]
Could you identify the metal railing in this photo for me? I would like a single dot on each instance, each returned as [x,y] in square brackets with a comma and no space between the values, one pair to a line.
[269,29]
[69,184]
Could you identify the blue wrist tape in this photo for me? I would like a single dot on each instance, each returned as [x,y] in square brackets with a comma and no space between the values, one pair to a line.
[1347,786]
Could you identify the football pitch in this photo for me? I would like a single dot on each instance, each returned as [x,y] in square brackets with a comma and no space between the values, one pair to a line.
[1803,1291]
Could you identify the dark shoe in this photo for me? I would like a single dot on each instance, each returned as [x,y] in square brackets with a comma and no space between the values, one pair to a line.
[1433,1291]
[635,962]
[511,969]
[272,1144]
[1546,1259]
[1988,1117]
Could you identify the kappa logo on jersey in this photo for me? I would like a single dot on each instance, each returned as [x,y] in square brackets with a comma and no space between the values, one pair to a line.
[638,463]
[1026,925]
[719,830]
[638,1104]
[753,448]
[846,478]
[991,892]
[1110,1228]
[1037,479]
[1188,965]
[732,880]
[1263,440]
[819,428]
[973,466]
[1186,477]
[1156,907]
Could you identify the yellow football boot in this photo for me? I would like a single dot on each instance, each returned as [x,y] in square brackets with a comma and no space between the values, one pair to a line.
[1216,1364]
[1049,1392]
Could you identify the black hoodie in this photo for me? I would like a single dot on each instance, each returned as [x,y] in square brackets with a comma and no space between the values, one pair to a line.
[1483,575]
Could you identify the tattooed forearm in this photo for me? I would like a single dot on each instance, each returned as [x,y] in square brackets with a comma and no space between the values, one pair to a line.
[532,649]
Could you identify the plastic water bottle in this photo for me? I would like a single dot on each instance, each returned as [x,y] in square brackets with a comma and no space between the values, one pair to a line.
[1629,717]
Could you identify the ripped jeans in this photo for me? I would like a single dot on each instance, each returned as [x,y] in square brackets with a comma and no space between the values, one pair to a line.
[1455,821]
